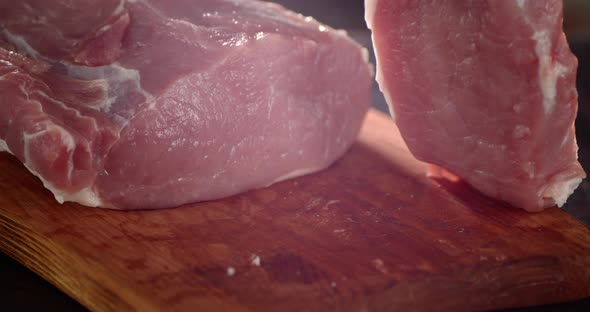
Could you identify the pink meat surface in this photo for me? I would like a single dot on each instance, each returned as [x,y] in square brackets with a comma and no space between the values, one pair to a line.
[154,103]
[485,89]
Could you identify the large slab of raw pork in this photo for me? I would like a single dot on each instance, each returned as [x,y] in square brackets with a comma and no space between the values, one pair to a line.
[485,89]
[152,104]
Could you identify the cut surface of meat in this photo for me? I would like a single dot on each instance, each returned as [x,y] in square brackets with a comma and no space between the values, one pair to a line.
[484,89]
[151,104]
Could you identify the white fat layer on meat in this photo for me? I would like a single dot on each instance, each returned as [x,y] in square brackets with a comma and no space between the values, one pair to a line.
[118,10]
[383,87]
[566,139]
[561,191]
[68,108]
[255,260]
[530,169]
[549,72]
[294,174]
[66,138]
[85,196]
[120,7]
[370,8]
[21,44]
[115,79]
[4,147]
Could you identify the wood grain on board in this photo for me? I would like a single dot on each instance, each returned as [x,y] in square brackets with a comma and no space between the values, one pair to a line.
[370,233]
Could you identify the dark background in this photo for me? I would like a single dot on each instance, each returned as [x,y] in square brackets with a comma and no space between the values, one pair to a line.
[22,290]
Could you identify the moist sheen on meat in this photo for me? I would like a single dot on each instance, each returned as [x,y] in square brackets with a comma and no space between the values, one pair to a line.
[151,104]
[484,89]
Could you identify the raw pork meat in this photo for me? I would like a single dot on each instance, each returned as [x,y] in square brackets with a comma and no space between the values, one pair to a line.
[485,89]
[151,104]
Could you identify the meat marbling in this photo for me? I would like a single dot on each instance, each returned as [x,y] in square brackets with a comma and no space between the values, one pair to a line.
[144,104]
[485,89]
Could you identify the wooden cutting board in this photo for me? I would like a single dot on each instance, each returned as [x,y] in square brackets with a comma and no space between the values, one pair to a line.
[371,233]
